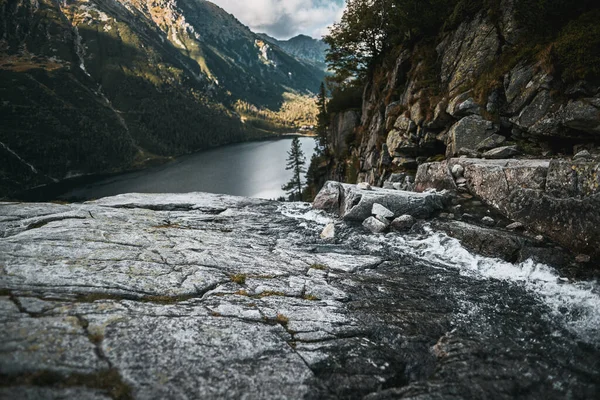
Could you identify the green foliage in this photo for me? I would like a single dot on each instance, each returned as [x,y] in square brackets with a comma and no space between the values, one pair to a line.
[295,162]
[577,48]
[322,116]
[346,97]
[370,28]
[546,17]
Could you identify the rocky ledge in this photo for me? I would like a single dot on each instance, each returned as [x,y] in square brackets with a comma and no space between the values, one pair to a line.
[211,296]
[558,198]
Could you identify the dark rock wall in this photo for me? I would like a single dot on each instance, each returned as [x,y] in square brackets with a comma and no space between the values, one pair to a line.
[474,88]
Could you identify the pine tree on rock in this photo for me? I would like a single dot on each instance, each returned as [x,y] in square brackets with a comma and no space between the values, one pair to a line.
[295,162]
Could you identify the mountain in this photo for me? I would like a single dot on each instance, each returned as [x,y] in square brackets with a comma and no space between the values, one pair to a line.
[303,48]
[90,86]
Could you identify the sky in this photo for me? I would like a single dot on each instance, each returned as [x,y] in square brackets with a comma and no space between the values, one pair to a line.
[284,19]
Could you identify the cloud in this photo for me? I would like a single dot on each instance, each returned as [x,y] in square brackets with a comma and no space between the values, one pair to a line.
[285,18]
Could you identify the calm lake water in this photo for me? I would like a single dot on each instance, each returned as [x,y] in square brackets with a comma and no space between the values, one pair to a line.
[255,169]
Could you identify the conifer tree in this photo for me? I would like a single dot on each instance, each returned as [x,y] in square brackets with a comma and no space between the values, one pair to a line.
[295,162]
[322,117]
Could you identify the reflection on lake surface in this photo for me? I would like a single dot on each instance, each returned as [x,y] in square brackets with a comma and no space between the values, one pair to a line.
[255,169]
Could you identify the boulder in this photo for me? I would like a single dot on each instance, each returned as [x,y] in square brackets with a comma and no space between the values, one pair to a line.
[403,223]
[435,175]
[501,152]
[468,133]
[491,142]
[354,204]
[381,212]
[559,199]
[375,225]
[508,246]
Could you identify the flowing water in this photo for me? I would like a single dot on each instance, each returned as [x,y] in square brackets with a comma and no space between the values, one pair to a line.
[466,326]
[254,169]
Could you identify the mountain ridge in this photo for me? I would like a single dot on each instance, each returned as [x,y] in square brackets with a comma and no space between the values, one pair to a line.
[303,47]
[94,86]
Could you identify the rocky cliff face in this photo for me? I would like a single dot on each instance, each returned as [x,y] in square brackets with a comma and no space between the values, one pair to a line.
[477,87]
[486,90]
[93,86]
[304,48]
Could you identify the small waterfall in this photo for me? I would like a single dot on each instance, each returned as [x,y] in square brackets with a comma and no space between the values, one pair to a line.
[19,158]
[79,49]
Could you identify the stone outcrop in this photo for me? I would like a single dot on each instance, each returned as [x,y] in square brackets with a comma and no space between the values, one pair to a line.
[478,99]
[557,198]
[211,296]
[355,204]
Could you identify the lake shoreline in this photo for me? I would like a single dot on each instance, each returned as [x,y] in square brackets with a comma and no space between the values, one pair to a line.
[55,192]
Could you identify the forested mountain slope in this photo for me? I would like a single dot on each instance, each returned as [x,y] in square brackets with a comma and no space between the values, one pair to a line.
[99,85]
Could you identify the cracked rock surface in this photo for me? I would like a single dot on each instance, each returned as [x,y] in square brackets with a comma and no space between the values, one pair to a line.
[211,296]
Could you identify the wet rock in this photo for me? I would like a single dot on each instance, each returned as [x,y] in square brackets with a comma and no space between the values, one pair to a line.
[511,247]
[501,153]
[210,296]
[403,223]
[381,212]
[468,133]
[364,186]
[375,225]
[559,198]
[355,204]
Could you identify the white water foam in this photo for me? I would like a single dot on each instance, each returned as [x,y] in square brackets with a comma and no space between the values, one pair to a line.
[576,303]
[304,211]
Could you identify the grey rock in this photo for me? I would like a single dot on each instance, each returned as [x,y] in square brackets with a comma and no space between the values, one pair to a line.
[489,221]
[381,212]
[491,142]
[405,162]
[535,111]
[515,226]
[576,115]
[341,126]
[210,296]
[434,176]
[469,132]
[395,178]
[403,223]
[582,155]
[558,198]
[501,152]
[459,63]
[354,204]
[375,225]
[364,186]
[458,171]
